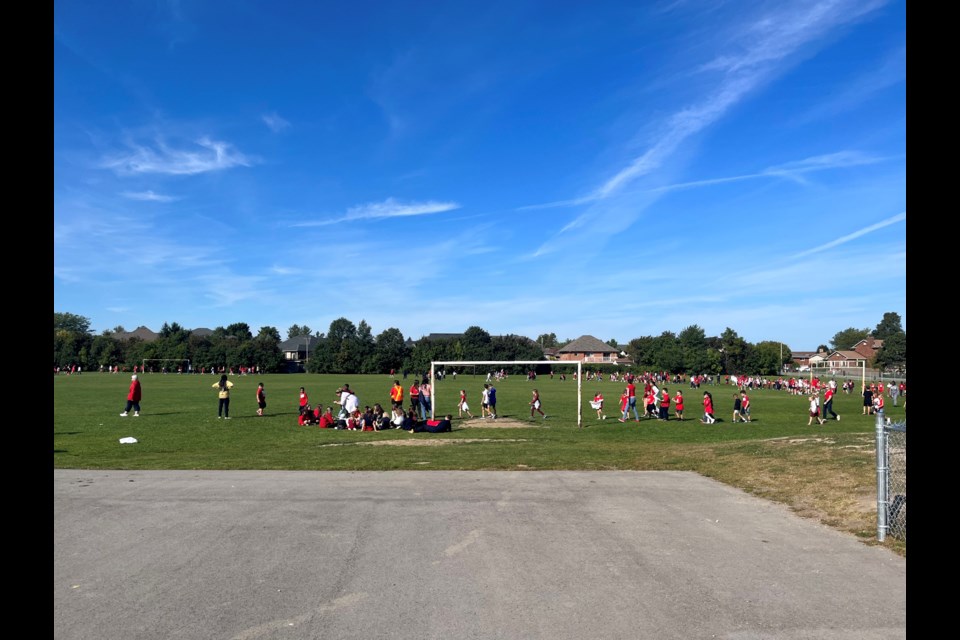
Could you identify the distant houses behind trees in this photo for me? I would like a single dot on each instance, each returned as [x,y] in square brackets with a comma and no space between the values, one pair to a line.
[349,348]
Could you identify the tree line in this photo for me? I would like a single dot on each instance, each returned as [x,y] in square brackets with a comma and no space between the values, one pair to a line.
[348,348]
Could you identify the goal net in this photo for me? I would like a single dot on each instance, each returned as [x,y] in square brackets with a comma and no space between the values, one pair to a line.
[508,363]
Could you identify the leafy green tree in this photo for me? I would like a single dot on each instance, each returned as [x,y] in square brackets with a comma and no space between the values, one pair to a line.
[547,340]
[844,340]
[666,353]
[693,345]
[239,330]
[893,353]
[641,351]
[766,358]
[71,323]
[269,333]
[889,326]
[296,330]
[734,355]
[476,344]
[390,350]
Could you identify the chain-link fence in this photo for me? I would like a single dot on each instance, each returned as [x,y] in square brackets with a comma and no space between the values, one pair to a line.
[891,479]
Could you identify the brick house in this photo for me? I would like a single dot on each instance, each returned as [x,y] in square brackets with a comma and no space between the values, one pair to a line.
[868,347]
[589,349]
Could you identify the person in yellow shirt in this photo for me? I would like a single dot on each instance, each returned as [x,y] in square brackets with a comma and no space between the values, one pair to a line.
[224,386]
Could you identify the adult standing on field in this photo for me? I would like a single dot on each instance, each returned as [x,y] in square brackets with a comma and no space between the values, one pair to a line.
[425,390]
[223,394]
[867,400]
[828,404]
[133,398]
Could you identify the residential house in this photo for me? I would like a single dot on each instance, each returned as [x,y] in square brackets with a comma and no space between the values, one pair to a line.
[296,351]
[589,349]
[868,347]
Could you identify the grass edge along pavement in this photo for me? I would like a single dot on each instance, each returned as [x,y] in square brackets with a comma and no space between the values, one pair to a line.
[827,472]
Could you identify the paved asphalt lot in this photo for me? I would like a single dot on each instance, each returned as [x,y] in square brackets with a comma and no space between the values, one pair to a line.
[251,555]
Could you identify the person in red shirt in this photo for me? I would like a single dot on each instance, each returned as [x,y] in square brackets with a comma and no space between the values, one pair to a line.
[708,409]
[624,404]
[664,405]
[597,404]
[304,401]
[632,400]
[828,404]
[745,407]
[415,396]
[326,420]
[133,398]
[678,405]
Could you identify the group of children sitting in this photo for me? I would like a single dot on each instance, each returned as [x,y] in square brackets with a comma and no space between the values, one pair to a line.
[371,419]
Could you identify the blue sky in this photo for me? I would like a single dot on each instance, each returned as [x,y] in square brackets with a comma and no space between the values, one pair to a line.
[618,169]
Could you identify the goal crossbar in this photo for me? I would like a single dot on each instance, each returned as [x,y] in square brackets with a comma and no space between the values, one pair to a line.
[505,363]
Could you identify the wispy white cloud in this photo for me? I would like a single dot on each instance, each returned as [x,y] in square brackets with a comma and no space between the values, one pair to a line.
[213,155]
[765,47]
[148,196]
[891,71]
[275,122]
[853,236]
[389,208]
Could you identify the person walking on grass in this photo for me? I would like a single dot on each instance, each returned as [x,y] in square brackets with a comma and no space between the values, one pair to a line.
[492,401]
[828,404]
[708,417]
[624,405]
[737,405]
[745,406]
[133,398]
[223,394]
[815,410]
[597,403]
[678,405]
[261,399]
[664,405]
[535,405]
[462,406]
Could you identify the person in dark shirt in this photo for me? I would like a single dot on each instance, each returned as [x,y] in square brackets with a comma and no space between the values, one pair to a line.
[434,426]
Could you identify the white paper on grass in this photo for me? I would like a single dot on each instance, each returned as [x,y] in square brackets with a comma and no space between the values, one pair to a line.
[128,440]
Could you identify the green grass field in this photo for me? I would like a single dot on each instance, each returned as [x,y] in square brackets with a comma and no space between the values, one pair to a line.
[824,472]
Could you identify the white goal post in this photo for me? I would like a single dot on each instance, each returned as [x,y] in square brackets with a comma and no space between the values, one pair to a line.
[505,363]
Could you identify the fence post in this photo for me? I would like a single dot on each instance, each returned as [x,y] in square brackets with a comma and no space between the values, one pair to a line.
[882,469]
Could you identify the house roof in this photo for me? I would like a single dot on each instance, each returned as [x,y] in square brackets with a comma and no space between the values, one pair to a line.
[141,332]
[846,355]
[297,342]
[585,344]
[870,342]
[441,336]
[803,354]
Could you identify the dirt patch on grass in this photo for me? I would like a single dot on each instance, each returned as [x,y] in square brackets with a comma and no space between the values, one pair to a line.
[499,423]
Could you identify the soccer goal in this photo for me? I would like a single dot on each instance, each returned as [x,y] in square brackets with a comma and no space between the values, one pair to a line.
[168,364]
[506,363]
